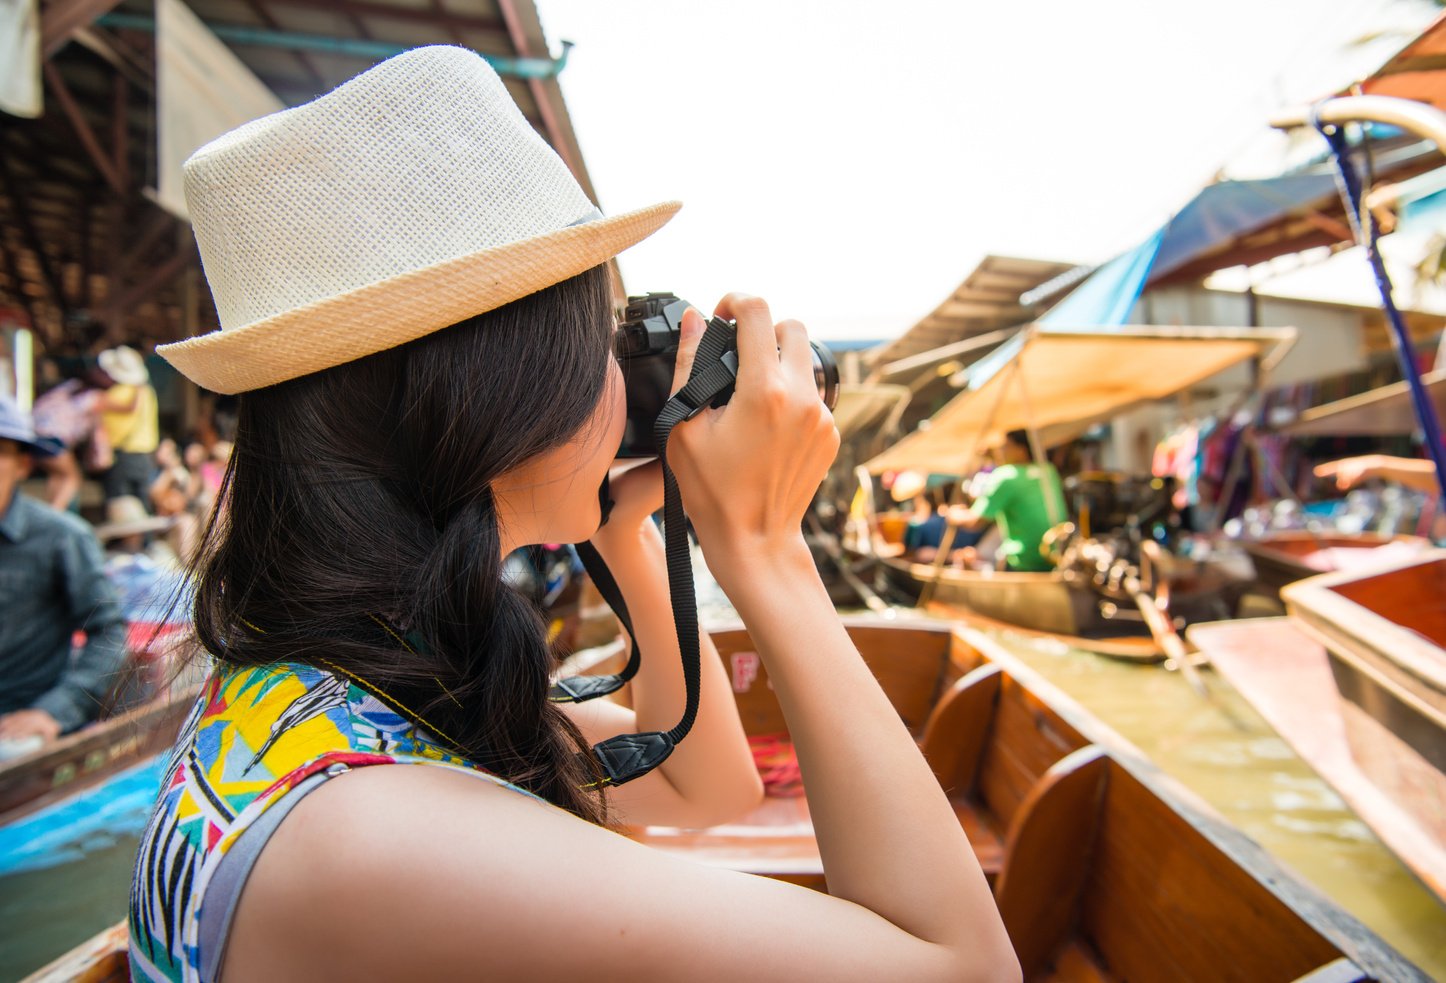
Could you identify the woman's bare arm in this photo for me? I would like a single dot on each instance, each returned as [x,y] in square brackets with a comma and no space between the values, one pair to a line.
[711,777]
[405,872]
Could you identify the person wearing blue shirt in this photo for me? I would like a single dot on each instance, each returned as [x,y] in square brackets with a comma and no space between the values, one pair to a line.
[52,584]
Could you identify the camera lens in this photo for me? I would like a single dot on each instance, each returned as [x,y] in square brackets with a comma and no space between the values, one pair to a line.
[825,374]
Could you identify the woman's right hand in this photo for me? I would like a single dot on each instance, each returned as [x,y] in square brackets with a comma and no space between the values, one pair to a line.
[749,470]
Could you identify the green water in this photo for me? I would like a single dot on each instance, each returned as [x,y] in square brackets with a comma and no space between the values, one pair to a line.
[47,912]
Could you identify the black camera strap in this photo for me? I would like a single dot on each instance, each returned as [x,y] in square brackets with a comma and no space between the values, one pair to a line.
[629,756]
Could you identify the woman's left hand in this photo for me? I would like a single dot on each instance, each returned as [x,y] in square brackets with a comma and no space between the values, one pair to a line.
[637,490]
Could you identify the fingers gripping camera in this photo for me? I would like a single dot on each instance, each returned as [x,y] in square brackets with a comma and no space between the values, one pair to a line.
[646,346]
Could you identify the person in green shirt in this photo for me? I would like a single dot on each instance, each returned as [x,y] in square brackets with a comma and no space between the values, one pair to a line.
[1014,496]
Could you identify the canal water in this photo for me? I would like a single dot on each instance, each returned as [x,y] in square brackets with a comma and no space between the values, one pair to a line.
[1218,747]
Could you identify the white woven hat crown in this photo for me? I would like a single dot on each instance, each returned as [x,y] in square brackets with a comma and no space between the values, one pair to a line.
[410,198]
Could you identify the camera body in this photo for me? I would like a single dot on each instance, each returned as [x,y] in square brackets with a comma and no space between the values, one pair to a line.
[646,347]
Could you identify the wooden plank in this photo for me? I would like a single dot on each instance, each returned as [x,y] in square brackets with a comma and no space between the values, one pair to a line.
[957,730]
[1339,971]
[83,131]
[60,19]
[909,662]
[1025,742]
[1139,891]
[100,959]
[1163,904]
[1047,857]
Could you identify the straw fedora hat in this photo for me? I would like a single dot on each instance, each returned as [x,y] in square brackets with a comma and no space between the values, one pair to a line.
[907,484]
[124,365]
[126,516]
[412,197]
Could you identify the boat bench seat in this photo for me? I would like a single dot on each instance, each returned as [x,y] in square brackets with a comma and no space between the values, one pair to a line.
[777,840]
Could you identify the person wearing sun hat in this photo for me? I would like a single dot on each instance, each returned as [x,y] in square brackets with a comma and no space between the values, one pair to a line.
[415,310]
[129,414]
[52,585]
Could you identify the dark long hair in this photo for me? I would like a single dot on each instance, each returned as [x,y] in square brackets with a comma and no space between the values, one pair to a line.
[359,499]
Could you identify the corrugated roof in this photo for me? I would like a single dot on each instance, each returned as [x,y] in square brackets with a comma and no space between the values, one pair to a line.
[987,300]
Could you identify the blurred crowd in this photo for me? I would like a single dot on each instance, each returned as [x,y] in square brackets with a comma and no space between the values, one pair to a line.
[79,596]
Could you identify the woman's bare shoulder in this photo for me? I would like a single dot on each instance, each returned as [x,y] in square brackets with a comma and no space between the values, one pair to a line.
[407,871]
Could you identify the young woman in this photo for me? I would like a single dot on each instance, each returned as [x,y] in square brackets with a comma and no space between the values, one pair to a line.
[416,308]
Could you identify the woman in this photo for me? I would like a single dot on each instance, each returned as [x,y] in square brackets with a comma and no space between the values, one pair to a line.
[415,306]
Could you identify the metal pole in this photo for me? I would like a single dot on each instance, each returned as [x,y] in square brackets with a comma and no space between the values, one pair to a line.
[1424,121]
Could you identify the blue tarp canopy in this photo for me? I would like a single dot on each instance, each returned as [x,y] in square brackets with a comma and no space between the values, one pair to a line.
[1216,217]
[1421,202]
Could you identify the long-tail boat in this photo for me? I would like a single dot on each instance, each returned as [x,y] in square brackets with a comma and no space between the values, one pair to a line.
[1103,868]
[153,693]
[1057,382]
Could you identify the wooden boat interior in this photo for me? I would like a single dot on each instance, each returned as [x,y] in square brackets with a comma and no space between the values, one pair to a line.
[1384,631]
[100,959]
[1103,868]
[1285,674]
[1284,557]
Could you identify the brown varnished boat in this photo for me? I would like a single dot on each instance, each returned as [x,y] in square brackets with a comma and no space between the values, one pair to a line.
[91,754]
[1104,869]
[1285,674]
[1384,631]
[1282,558]
[1051,605]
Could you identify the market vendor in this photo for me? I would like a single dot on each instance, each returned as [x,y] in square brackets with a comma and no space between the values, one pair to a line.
[1023,498]
[1417,474]
[52,584]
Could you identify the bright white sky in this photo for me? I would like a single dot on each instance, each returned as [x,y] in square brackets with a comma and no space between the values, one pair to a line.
[851,161]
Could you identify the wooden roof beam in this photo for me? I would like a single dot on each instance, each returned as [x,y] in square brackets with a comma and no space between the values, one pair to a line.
[553,125]
[21,214]
[60,19]
[435,16]
[81,125]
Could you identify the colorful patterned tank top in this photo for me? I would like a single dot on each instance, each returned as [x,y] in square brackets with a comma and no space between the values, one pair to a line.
[257,741]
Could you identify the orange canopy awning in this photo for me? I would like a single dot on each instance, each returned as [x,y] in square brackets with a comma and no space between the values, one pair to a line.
[1061,381]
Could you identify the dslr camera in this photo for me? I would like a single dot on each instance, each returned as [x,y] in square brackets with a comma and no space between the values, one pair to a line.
[646,347]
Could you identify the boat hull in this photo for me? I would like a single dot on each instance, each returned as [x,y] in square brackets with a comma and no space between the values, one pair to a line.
[1283,558]
[1383,631]
[1047,604]
[91,754]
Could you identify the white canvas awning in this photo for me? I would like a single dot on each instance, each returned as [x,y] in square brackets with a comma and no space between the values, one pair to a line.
[862,405]
[202,91]
[1061,381]
[20,89]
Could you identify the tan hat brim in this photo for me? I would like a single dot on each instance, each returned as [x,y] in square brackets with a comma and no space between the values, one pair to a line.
[403,308]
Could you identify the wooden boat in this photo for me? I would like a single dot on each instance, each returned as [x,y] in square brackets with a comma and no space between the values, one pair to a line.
[1051,604]
[1285,674]
[101,959]
[91,754]
[1284,557]
[1103,868]
[1384,631]
[158,685]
